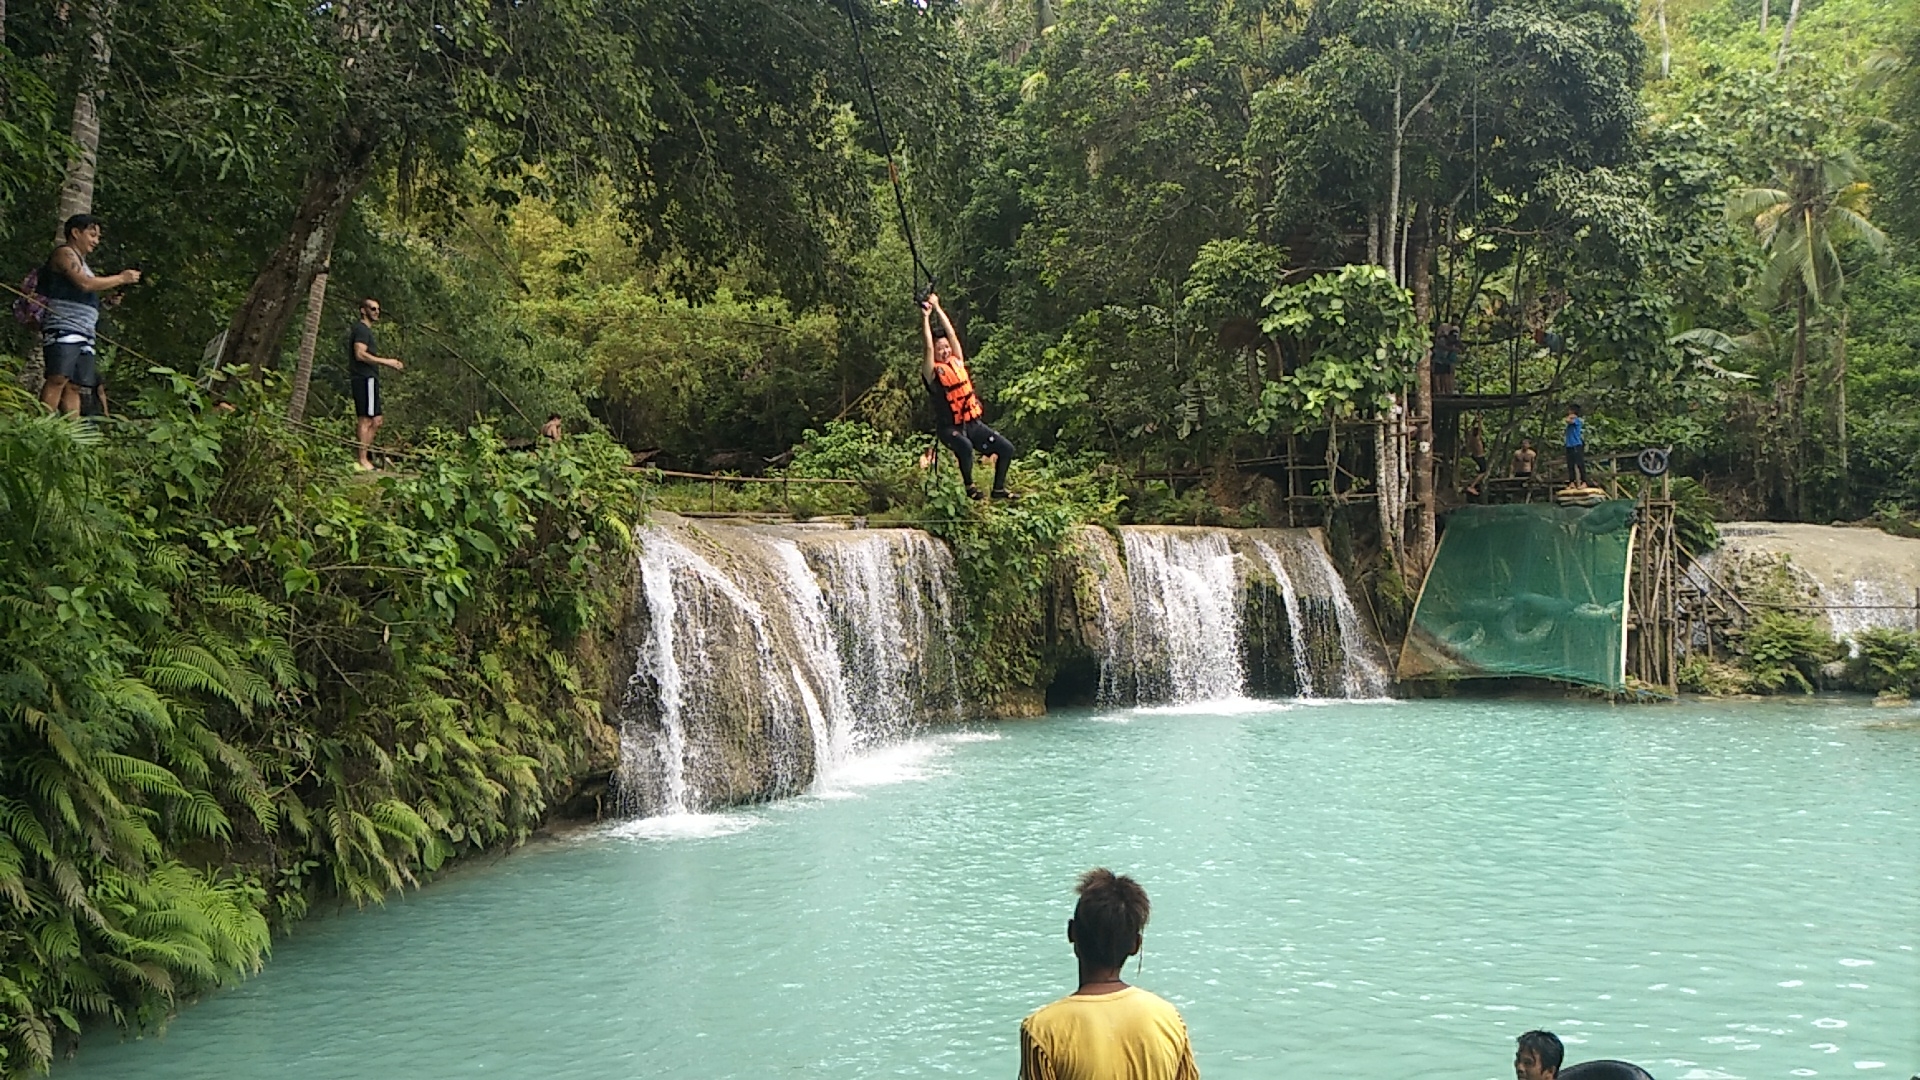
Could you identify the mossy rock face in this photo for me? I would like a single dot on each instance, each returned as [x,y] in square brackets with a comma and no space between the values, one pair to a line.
[733,697]
[786,642]
[1089,621]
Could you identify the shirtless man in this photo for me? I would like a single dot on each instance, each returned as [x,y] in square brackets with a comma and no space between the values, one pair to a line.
[1524,459]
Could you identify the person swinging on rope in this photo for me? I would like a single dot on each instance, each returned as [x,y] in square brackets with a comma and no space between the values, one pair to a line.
[956,404]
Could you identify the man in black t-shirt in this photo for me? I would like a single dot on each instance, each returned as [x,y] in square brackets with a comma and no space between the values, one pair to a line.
[364,376]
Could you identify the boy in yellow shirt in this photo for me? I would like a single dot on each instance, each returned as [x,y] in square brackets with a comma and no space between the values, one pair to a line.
[1106,1030]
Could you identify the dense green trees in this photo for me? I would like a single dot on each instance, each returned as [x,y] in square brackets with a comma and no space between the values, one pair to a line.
[1181,234]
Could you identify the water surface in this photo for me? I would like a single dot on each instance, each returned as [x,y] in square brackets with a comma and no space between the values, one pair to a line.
[1344,890]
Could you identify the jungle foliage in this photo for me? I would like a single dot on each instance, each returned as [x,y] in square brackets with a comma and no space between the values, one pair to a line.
[1179,236]
[236,680]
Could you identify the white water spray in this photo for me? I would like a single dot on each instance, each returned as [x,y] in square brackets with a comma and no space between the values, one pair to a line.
[1186,615]
[1363,670]
[889,596]
[1296,619]
[688,600]
[830,712]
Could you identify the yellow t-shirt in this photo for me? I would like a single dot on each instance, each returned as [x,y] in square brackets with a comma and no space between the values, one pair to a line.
[1129,1034]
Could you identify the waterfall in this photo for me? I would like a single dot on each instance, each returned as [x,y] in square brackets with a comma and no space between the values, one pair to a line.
[1107,583]
[697,618]
[768,656]
[1296,619]
[657,659]
[771,655]
[1335,653]
[1866,604]
[889,592]
[1186,615]
[830,712]
[1863,578]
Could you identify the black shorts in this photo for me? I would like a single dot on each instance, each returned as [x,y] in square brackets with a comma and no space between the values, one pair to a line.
[366,395]
[73,361]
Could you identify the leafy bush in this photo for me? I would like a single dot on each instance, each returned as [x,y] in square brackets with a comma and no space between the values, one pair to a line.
[1695,511]
[1780,648]
[1006,554]
[1701,674]
[1352,341]
[1886,661]
[234,677]
[887,467]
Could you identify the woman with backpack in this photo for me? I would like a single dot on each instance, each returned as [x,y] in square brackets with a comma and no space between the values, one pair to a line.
[70,313]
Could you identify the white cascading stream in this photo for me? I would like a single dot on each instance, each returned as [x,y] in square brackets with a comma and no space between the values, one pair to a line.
[1363,670]
[683,592]
[1296,619]
[889,596]
[829,711]
[657,660]
[850,634]
[772,656]
[1186,616]
[1115,659]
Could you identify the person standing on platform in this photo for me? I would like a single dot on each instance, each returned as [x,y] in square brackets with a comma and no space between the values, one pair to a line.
[1576,448]
[1523,460]
[1448,351]
[1106,1030]
[363,366]
[70,320]
[1477,453]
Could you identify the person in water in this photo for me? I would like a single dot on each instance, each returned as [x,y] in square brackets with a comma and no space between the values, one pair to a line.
[956,405]
[1537,1056]
[1106,1030]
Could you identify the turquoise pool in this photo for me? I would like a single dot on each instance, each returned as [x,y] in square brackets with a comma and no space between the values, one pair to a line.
[1341,890]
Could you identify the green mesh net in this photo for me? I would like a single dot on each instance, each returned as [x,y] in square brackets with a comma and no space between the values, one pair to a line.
[1526,590]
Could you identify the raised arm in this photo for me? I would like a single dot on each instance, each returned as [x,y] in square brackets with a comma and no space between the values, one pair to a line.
[67,261]
[926,335]
[953,339]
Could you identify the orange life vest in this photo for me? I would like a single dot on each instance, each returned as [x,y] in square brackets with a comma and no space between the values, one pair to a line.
[956,386]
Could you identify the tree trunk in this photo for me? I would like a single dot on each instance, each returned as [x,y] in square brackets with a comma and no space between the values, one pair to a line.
[1840,414]
[1385,434]
[1764,14]
[1796,405]
[1666,42]
[76,187]
[1786,37]
[1392,215]
[309,338]
[261,323]
[1420,537]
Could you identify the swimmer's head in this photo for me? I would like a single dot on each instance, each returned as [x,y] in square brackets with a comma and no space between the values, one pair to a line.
[1538,1056]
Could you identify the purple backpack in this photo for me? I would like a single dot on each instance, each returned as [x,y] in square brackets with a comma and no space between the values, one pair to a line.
[31,303]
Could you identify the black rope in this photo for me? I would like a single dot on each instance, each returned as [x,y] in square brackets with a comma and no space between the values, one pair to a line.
[893,171]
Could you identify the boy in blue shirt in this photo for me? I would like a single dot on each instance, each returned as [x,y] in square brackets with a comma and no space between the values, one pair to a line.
[1576,448]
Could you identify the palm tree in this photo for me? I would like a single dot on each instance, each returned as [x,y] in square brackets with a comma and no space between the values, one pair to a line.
[1818,206]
